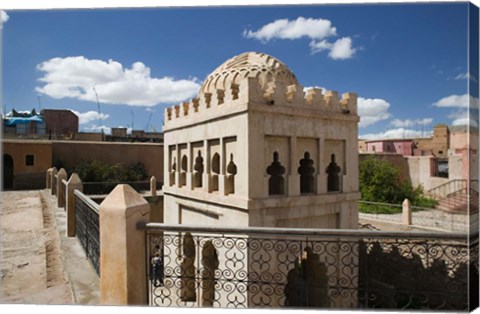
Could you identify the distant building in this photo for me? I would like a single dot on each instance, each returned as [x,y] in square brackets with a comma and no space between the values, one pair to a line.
[403,147]
[60,124]
[121,135]
[437,145]
[23,124]
[49,124]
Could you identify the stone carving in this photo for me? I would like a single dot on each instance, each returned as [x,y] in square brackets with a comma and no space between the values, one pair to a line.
[198,168]
[306,171]
[333,179]
[231,172]
[276,183]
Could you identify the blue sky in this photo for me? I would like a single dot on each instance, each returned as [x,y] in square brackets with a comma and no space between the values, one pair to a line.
[408,63]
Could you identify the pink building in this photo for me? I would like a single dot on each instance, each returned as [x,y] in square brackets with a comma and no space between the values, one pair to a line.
[394,146]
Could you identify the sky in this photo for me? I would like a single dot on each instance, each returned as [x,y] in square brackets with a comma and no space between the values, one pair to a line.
[407,62]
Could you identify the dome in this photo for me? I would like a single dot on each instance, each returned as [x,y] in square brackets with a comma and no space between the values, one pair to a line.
[249,64]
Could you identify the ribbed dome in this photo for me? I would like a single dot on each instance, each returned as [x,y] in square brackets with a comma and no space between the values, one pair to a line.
[248,64]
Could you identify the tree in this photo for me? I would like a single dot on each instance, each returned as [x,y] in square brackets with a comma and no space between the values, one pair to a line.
[380,182]
[108,175]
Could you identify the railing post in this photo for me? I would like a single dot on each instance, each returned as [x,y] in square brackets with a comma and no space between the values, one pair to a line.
[153,186]
[52,178]
[122,248]
[62,175]
[48,178]
[73,184]
[406,212]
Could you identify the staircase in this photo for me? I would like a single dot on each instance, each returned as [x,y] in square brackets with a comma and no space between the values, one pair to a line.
[453,197]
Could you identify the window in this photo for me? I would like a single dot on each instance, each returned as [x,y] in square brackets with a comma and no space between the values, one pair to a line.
[29,160]
[276,182]
[306,171]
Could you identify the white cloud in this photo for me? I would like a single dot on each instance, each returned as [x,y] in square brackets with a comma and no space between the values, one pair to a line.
[396,133]
[315,29]
[464,117]
[75,77]
[89,116]
[98,128]
[409,122]
[467,108]
[465,76]
[3,18]
[455,101]
[372,110]
[342,49]
[286,29]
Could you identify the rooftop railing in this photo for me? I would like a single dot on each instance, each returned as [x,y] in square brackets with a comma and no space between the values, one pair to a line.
[193,266]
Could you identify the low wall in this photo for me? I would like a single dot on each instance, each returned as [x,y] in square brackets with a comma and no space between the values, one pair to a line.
[70,154]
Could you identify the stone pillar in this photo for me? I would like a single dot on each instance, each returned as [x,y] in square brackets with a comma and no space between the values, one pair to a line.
[153,186]
[62,175]
[48,178]
[222,178]
[52,177]
[122,248]
[73,184]
[406,212]
[293,178]
[189,174]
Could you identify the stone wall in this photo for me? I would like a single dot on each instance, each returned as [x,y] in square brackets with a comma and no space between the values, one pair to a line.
[71,153]
[27,174]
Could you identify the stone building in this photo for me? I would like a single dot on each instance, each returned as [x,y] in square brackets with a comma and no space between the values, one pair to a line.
[60,123]
[437,145]
[404,147]
[255,150]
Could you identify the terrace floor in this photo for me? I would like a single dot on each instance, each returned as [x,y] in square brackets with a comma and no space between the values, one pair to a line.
[39,264]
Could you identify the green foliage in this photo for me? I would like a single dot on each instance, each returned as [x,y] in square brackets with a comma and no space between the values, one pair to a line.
[96,171]
[380,182]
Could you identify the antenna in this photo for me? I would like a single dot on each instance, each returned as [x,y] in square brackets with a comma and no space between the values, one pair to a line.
[39,103]
[98,104]
[133,118]
[149,119]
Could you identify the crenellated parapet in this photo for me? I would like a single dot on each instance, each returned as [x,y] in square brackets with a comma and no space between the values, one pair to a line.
[273,94]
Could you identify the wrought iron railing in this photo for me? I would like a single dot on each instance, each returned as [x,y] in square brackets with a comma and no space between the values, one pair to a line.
[87,228]
[192,266]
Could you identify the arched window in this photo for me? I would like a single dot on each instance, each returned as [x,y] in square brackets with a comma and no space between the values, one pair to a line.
[174,170]
[333,178]
[215,171]
[183,171]
[231,172]
[276,183]
[306,171]
[198,171]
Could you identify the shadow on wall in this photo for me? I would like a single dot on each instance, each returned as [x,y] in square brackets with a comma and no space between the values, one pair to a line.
[391,280]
